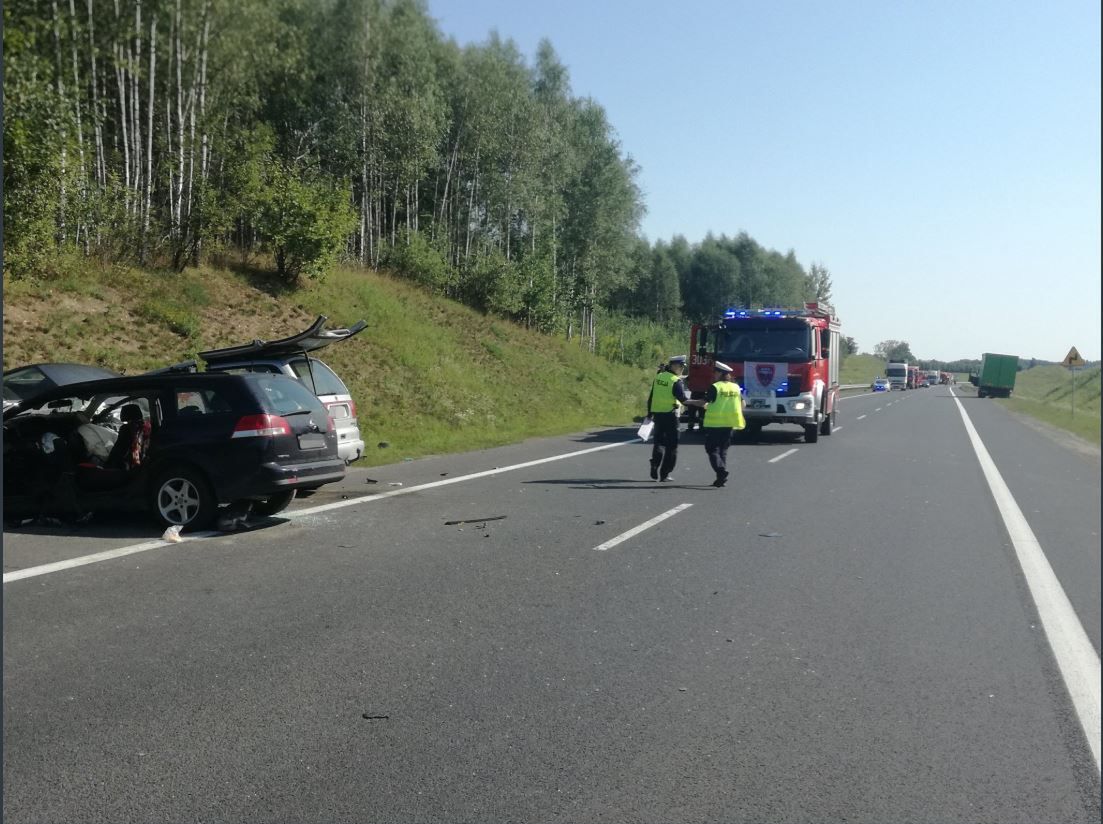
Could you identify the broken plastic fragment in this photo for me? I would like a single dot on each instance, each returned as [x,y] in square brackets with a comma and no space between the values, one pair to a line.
[172,534]
[474,520]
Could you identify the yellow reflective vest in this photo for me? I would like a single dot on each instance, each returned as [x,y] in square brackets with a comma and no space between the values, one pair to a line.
[726,412]
[662,392]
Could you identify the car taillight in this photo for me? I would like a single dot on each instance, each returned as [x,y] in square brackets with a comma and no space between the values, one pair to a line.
[261,426]
[331,425]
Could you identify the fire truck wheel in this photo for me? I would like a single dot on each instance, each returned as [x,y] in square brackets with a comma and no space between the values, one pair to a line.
[828,424]
[811,432]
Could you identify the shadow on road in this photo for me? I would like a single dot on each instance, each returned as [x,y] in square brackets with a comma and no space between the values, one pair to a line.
[129,526]
[615,483]
[100,525]
[612,435]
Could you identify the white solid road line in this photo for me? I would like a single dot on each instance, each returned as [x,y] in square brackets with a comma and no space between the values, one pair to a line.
[314,510]
[106,555]
[782,455]
[636,530]
[859,417]
[1076,657]
[109,554]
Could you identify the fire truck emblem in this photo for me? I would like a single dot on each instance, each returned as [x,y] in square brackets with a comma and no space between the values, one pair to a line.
[765,373]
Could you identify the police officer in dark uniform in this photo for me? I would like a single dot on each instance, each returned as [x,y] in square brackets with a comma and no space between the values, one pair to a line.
[667,392]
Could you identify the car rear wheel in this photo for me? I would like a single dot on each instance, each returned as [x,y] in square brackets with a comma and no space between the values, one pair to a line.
[182,497]
[274,503]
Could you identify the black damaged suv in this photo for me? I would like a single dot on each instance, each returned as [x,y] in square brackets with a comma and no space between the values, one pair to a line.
[176,444]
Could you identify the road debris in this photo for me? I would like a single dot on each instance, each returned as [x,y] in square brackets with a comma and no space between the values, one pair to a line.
[370,481]
[172,534]
[395,483]
[234,517]
[769,534]
[475,520]
[368,717]
[598,523]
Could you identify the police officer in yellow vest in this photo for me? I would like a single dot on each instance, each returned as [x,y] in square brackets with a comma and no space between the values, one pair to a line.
[667,392]
[723,414]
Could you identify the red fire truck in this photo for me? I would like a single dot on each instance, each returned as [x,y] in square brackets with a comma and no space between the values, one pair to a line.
[786,361]
[913,376]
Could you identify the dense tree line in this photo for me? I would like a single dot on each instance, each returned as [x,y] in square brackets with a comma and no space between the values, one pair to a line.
[171,131]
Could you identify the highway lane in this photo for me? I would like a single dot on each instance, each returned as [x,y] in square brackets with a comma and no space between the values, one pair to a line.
[807,644]
[1058,488]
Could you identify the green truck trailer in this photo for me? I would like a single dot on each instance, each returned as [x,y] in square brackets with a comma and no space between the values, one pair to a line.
[996,377]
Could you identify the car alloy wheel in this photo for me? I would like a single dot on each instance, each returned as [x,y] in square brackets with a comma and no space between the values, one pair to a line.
[182,498]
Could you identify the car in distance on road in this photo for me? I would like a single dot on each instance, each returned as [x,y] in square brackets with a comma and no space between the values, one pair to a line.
[880,385]
[175,444]
[292,357]
[24,382]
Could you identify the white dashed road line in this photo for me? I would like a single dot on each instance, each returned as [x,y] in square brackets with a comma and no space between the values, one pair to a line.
[624,536]
[782,455]
[878,409]
[859,417]
[1073,650]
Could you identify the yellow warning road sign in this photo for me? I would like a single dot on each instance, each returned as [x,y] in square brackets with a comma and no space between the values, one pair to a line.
[1073,358]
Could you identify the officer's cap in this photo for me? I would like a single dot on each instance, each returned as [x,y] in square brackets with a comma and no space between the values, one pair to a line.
[678,360]
[721,367]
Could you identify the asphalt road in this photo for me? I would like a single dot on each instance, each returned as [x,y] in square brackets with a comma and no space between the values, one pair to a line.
[843,633]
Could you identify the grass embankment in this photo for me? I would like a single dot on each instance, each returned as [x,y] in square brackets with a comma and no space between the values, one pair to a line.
[1045,393]
[428,374]
[861,369]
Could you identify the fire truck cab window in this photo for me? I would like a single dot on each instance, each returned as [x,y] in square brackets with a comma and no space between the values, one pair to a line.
[765,343]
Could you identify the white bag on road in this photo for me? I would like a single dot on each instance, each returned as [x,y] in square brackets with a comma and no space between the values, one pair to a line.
[645,429]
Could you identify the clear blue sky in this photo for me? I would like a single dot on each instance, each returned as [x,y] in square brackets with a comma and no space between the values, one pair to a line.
[942,159]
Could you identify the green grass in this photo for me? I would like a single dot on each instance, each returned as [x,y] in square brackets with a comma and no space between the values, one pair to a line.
[1045,393]
[861,369]
[428,374]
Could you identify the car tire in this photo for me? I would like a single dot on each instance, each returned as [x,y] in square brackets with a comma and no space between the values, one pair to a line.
[274,503]
[182,497]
